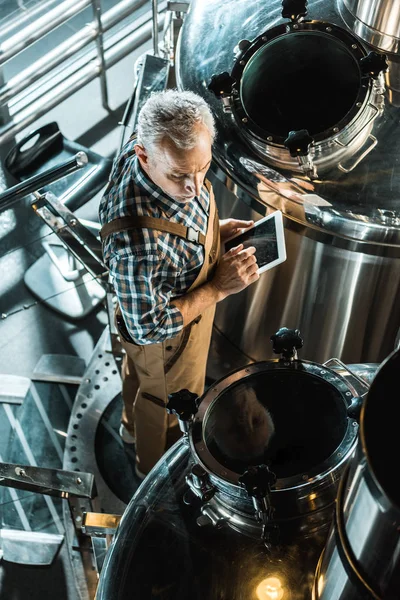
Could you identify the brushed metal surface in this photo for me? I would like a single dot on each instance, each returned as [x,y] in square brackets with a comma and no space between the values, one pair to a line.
[376,21]
[341,280]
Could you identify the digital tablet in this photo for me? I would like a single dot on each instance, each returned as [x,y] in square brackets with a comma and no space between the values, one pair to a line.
[268,237]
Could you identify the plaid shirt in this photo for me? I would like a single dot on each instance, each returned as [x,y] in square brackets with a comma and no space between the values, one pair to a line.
[149,268]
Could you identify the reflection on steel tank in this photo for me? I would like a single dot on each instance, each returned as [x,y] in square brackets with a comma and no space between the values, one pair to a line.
[306,99]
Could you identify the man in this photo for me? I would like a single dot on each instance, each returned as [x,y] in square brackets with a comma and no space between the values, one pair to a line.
[167,271]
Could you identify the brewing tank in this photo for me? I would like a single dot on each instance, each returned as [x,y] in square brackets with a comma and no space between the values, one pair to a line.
[241,506]
[306,100]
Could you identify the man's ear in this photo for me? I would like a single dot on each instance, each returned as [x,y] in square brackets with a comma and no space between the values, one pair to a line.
[142,155]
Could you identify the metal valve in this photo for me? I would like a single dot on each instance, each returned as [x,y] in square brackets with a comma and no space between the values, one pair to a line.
[183,404]
[258,482]
[299,142]
[294,9]
[241,48]
[286,342]
[221,85]
[373,64]
[199,483]
[354,410]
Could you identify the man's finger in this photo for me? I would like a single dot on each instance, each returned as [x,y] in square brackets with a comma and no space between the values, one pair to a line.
[247,252]
[236,249]
[243,223]
[253,268]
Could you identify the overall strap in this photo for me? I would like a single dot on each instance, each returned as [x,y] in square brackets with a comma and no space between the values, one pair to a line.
[140,222]
[211,247]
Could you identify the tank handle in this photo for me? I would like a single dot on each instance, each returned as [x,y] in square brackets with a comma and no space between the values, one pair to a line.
[294,9]
[286,342]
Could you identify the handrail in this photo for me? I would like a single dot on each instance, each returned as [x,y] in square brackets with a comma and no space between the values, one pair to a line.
[119,46]
[66,49]
[27,15]
[34,183]
[154,9]
[40,27]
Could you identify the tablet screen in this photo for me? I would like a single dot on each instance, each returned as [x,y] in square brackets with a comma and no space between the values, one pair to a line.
[267,236]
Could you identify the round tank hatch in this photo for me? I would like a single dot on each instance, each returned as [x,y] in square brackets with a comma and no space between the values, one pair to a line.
[308,80]
[292,418]
[288,419]
[305,96]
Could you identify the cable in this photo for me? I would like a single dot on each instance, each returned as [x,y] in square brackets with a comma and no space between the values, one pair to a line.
[28,244]
[4,316]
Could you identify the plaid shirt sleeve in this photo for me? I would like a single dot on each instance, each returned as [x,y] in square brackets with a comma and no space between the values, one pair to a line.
[144,283]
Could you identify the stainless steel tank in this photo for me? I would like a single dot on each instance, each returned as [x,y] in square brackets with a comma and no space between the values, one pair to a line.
[306,101]
[241,506]
[361,559]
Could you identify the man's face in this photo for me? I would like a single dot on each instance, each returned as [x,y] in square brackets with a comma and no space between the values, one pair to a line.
[179,173]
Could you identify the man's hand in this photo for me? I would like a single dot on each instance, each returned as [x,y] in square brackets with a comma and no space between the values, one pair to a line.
[231,227]
[236,270]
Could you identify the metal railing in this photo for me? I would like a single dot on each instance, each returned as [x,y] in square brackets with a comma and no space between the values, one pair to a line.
[64,70]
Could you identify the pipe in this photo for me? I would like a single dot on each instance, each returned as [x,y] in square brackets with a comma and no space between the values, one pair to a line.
[76,81]
[36,30]
[155,27]
[66,50]
[16,192]
[96,6]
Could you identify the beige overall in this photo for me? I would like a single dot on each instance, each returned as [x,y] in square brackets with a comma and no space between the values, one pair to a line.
[152,372]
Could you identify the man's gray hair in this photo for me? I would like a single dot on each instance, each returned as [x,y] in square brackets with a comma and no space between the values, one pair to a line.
[173,114]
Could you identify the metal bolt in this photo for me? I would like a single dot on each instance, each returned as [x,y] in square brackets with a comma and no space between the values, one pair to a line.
[323,372]
[358,104]
[305,477]
[4,315]
[78,518]
[242,62]
[354,46]
[78,480]
[335,129]
[73,222]
[244,120]
[348,393]
[339,454]
[87,380]
[203,520]
[264,38]
[269,138]
[223,472]
[329,29]
[295,26]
